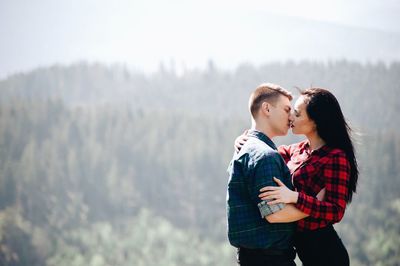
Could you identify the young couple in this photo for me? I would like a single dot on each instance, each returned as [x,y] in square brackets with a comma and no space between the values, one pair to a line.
[309,182]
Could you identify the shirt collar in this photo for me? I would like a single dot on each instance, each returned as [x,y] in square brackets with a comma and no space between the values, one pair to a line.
[320,151]
[261,136]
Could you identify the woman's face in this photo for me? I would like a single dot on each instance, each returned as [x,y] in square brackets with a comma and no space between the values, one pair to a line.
[302,124]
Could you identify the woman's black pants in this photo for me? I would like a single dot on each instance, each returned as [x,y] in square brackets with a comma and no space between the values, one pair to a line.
[321,247]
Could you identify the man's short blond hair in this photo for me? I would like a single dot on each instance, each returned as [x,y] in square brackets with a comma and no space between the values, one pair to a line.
[266,92]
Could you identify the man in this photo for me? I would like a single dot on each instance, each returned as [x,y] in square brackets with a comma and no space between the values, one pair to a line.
[258,241]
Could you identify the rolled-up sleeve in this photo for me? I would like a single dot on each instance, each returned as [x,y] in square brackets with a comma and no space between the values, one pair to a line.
[266,209]
[263,174]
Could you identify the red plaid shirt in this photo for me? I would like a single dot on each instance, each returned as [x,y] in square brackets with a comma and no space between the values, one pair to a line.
[312,171]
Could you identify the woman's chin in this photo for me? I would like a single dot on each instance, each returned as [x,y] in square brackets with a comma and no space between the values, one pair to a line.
[294,131]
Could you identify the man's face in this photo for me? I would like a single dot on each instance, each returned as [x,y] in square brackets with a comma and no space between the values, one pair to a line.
[280,116]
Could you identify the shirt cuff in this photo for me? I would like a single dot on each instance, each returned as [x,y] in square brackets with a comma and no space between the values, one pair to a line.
[266,209]
[302,203]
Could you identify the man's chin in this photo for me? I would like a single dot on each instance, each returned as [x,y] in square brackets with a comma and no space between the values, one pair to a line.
[285,133]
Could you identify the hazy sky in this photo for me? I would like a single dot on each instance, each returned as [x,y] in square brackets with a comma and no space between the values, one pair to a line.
[143,33]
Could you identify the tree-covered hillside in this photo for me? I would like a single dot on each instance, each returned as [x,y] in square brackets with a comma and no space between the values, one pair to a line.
[103,166]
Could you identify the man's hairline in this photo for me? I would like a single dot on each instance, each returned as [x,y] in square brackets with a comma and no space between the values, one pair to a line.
[274,105]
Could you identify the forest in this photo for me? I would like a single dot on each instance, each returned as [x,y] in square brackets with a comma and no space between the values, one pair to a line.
[102,165]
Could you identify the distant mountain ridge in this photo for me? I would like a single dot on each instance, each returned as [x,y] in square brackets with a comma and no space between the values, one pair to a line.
[365,90]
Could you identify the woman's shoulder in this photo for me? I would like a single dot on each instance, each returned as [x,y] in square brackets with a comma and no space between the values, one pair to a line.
[334,152]
[288,151]
[335,155]
[295,146]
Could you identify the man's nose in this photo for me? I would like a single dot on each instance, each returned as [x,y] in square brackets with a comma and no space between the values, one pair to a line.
[291,117]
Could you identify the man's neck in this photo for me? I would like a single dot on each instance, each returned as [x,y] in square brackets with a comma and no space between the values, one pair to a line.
[262,127]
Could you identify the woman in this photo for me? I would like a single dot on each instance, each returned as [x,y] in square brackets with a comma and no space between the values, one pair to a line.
[324,162]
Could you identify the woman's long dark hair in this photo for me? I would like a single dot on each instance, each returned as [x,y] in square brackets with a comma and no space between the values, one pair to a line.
[324,109]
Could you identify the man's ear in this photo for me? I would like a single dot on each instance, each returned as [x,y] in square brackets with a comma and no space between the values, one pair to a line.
[265,108]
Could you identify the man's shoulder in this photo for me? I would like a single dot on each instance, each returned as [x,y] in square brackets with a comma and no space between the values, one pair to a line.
[255,151]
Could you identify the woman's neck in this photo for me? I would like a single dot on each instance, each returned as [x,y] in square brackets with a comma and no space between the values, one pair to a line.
[315,141]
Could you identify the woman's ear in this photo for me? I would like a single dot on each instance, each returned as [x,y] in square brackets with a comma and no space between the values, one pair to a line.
[314,125]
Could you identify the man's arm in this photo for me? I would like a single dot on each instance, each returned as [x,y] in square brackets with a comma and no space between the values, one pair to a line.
[290,213]
[261,175]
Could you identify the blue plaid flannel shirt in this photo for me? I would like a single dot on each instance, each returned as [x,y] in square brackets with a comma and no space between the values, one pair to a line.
[251,169]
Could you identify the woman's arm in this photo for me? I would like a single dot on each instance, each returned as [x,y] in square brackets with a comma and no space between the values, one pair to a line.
[240,141]
[337,175]
[290,213]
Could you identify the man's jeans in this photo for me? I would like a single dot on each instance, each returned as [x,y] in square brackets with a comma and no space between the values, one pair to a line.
[263,257]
